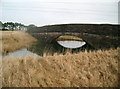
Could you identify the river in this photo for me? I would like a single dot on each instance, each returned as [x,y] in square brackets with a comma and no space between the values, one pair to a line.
[42,47]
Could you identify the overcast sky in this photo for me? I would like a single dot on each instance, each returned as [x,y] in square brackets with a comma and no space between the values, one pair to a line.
[46,12]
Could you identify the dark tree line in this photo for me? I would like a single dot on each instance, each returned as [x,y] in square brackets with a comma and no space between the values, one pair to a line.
[13,26]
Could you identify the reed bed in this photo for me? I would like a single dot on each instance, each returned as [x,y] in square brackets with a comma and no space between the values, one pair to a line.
[85,69]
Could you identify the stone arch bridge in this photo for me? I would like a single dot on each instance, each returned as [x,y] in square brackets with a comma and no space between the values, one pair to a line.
[96,41]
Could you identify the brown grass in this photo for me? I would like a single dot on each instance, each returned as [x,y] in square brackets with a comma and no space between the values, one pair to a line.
[85,69]
[67,37]
[14,40]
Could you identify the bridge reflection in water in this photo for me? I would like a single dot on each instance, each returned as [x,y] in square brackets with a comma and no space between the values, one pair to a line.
[71,44]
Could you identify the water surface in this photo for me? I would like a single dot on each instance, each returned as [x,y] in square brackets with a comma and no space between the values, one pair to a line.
[45,47]
[21,54]
[71,44]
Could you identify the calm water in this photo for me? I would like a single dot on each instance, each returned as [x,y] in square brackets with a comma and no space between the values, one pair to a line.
[20,54]
[42,47]
[71,44]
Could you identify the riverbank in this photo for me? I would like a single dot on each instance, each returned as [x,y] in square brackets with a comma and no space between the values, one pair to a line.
[14,40]
[85,69]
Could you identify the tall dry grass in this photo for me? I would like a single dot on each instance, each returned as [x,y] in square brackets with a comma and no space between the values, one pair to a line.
[84,69]
[14,40]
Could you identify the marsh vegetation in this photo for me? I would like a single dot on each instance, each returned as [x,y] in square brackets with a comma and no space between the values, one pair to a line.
[85,69]
[14,40]
[95,64]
